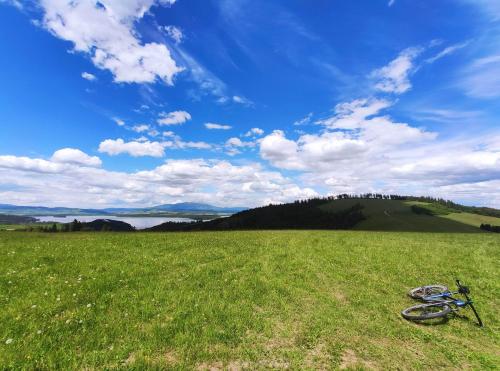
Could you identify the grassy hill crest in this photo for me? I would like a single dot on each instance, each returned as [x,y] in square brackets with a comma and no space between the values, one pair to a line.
[372,212]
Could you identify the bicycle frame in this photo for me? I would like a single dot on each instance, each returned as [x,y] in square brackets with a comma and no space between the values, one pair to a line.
[447,297]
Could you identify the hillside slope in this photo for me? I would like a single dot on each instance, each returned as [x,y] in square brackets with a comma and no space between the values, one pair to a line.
[296,215]
[397,215]
[370,214]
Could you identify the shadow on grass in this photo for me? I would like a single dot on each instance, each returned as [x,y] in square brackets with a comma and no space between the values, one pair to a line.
[445,320]
[432,322]
[467,319]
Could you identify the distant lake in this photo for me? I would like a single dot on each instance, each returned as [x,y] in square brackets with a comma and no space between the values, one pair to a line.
[139,222]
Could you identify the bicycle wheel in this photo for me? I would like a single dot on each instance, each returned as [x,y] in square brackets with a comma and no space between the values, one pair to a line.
[420,292]
[423,312]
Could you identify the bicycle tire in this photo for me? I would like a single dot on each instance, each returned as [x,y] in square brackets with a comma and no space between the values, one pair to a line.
[422,291]
[424,312]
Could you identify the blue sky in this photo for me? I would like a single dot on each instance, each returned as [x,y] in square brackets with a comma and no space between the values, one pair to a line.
[241,102]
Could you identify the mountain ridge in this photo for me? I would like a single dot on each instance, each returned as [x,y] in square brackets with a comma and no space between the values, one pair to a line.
[176,207]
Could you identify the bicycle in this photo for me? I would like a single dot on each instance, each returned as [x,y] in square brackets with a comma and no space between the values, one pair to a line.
[439,302]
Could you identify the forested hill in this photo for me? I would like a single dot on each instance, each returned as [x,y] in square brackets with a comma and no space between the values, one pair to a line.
[360,212]
[298,215]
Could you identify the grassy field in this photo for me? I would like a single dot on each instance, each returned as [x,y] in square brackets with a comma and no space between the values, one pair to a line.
[11,227]
[284,299]
[395,215]
[472,219]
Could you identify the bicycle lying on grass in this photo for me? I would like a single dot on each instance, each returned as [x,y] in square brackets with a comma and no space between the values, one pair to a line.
[439,302]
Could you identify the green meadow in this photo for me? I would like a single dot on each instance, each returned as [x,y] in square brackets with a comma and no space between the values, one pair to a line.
[241,300]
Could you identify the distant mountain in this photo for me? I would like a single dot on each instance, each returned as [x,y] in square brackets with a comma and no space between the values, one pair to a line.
[193,206]
[183,207]
[42,210]
[16,219]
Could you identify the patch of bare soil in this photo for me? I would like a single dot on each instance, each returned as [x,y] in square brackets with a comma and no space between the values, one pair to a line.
[351,360]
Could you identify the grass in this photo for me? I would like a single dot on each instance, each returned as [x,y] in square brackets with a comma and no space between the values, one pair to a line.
[12,227]
[280,299]
[395,215]
[472,219]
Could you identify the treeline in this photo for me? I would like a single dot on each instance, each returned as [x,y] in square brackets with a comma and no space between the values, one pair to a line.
[490,228]
[98,225]
[16,219]
[297,215]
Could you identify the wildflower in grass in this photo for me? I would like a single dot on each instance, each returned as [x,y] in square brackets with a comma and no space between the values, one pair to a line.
[89,305]
[68,321]
[39,332]
[33,306]
[8,341]
[74,294]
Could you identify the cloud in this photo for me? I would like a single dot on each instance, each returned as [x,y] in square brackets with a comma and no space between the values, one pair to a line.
[481,78]
[361,150]
[140,128]
[237,142]
[449,116]
[447,51]
[490,7]
[234,144]
[212,126]
[208,83]
[39,181]
[351,115]
[75,156]
[118,121]
[254,132]
[174,118]
[177,143]
[353,132]
[105,31]
[393,78]
[305,120]
[168,134]
[134,148]
[15,3]
[242,100]
[88,76]
[174,32]
[391,2]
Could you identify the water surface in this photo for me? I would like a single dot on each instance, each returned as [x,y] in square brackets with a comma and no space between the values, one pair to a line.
[139,222]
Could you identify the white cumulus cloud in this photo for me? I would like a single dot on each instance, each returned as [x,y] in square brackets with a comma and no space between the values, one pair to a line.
[393,78]
[75,156]
[134,148]
[254,132]
[174,118]
[213,126]
[45,182]
[106,31]
[88,76]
